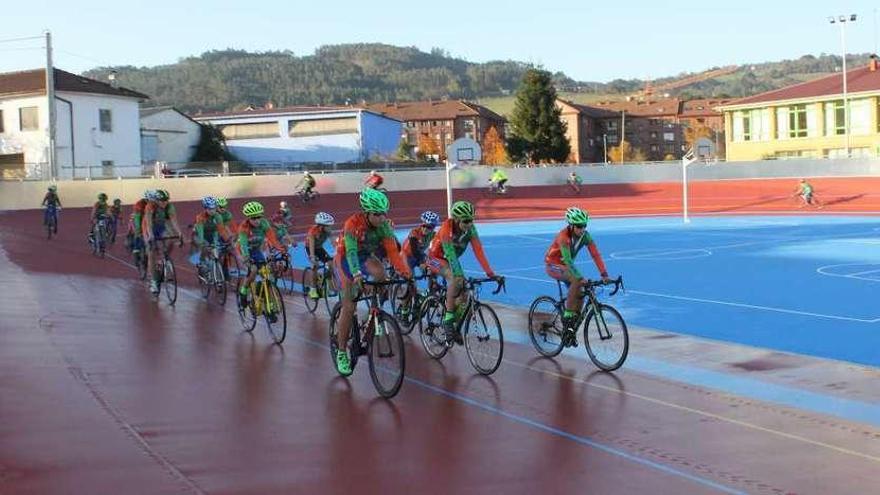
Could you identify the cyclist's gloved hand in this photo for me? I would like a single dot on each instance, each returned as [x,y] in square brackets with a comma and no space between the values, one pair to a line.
[605,277]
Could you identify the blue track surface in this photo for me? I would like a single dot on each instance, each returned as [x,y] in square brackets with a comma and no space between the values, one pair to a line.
[806,285]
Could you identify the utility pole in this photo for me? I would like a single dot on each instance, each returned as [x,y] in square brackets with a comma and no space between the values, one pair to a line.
[842,20]
[50,99]
[622,135]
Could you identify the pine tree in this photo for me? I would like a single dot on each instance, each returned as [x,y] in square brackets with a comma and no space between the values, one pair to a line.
[402,152]
[538,131]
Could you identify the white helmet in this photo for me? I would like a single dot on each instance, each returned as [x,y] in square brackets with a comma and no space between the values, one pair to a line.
[322,218]
[373,172]
[283,204]
[306,173]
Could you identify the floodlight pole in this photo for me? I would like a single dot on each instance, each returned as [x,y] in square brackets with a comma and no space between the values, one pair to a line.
[448,189]
[686,160]
[842,20]
[50,99]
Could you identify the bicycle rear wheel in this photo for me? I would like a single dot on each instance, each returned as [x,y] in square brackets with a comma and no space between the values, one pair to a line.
[330,291]
[307,286]
[334,331]
[484,340]
[545,326]
[387,359]
[606,338]
[275,315]
[50,226]
[140,263]
[246,314]
[431,328]
[169,281]
[205,280]
[405,309]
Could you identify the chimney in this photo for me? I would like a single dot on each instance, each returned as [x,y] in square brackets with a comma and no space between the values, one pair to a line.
[269,105]
[872,63]
[112,77]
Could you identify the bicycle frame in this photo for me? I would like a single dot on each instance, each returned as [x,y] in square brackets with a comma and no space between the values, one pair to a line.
[265,275]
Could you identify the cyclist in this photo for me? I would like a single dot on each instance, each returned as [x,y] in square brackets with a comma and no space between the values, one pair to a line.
[446,248]
[574,182]
[498,180]
[415,246]
[282,222]
[253,233]
[306,184]
[158,213]
[374,180]
[559,260]
[315,239]
[99,211]
[223,210]
[208,229]
[807,193]
[135,224]
[51,202]
[362,235]
[115,214]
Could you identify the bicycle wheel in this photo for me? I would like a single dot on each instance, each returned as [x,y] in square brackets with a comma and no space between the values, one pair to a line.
[545,326]
[50,226]
[431,328]
[205,280]
[330,291]
[275,314]
[291,276]
[387,358]
[169,281]
[484,340]
[606,338]
[232,270]
[405,310]
[307,286]
[219,282]
[140,263]
[246,314]
[334,331]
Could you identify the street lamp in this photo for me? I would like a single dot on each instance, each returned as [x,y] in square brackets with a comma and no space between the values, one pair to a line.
[842,20]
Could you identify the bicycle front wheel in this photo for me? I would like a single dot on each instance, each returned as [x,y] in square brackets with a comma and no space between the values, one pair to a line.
[169,281]
[330,291]
[307,285]
[275,314]
[484,340]
[387,359]
[334,333]
[219,281]
[431,328]
[246,314]
[403,297]
[545,326]
[606,338]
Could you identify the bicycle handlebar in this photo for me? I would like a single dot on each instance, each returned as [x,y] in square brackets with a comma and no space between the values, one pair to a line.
[385,283]
[616,282]
[499,283]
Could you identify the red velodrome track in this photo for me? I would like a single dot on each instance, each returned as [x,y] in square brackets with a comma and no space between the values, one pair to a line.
[103,391]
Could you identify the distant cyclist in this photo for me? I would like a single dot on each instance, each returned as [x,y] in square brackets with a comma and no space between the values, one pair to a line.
[282,222]
[451,241]
[223,210]
[99,210]
[560,264]
[374,180]
[159,214]
[363,234]
[52,203]
[574,182]
[498,181]
[115,215]
[208,230]
[314,244]
[307,184]
[807,194]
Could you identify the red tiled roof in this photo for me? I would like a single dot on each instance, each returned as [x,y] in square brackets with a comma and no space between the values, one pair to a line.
[857,81]
[644,108]
[702,107]
[594,112]
[34,82]
[433,110]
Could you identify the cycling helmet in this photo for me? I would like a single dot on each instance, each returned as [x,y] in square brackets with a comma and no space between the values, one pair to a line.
[222,202]
[462,210]
[322,218]
[430,218]
[252,209]
[576,216]
[162,195]
[148,194]
[53,188]
[306,173]
[102,197]
[373,172]
[283,205]
[117,201]
[209,202]
[373,201]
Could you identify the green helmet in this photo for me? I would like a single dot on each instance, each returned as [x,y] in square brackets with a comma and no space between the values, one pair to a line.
[53,188]
[252,209]
[162,195]
[373,201]
[102,197]
[576,216]
[462,210]
[222,202]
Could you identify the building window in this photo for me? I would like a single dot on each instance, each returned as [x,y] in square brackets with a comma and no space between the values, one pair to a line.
[449,136]
[653,135]
[654,148]
[797,121]
[701,121]
[654,121]
[107,163]
[433,123]
[28,119]
[669,148]
[250,131]
[468,125]
[669,136]
[322,127]
[105,120]
[611,125]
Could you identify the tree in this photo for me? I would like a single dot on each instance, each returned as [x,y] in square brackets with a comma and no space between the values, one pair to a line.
[493,148]
[402,152]
[428,147]
[626,153]
[538,132]
[212,146]
[693,133]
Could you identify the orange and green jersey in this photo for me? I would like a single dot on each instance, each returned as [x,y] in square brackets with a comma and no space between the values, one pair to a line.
[318,234]
[565,248]
[208,225]
[254,237]
[359,240]
[416,243]
[449,244]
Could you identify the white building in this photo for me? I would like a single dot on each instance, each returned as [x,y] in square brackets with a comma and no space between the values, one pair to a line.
[297,135]
[97,130]
[168,135]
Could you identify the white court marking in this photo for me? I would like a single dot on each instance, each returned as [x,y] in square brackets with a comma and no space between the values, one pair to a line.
[858,274]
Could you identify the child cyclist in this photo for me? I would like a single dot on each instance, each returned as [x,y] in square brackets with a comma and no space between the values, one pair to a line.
[253,233]
[807,194]
[415,247]
[451,241]
[52,203]
[208,230]
[316,236]
[559,260]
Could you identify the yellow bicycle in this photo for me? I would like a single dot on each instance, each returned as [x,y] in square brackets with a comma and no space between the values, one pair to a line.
[264,299]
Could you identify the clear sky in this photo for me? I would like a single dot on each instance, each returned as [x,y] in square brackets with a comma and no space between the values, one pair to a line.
[633,39]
